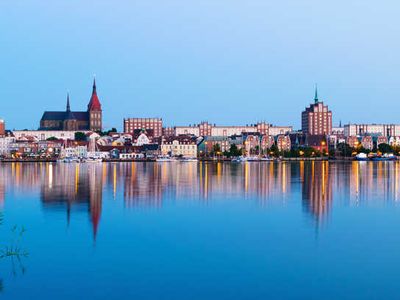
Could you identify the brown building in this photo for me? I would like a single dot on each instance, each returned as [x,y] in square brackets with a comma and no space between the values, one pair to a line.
[75,120]
[317,118]
[153,124]
[2,128]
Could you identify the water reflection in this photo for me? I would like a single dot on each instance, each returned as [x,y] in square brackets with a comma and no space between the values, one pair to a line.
[81,188]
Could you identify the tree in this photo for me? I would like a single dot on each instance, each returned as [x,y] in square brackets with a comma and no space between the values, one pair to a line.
[344,149]
[274,151]
[385,148]
[80,136]
[216,148]
[52,138]
[234,151]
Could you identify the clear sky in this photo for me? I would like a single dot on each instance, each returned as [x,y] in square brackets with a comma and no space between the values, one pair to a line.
[225,61]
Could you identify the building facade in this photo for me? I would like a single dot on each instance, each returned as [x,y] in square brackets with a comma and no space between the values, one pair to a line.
[372,129]
[2,128]
[207,129]
[75,120]
[43,135]
[317,118]
[283,142]
[148,124]
[184,146]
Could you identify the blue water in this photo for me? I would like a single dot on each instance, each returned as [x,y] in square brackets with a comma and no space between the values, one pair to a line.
[304,230]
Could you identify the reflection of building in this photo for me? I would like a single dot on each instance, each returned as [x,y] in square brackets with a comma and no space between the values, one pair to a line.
[317,189]
[75,188]
[78,189]
[75,120]
[317,118]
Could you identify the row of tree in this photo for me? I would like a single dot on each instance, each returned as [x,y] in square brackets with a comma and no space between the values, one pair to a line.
[344,149]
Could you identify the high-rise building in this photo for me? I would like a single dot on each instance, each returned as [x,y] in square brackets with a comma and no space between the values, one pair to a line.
[152,125]
[317,118]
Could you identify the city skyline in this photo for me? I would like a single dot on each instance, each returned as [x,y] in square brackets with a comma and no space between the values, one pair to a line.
[236,63]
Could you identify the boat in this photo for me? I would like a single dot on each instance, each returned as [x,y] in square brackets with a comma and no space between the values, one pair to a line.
[165,158]
[69,160]
[266,159]
[93,160]
[241,159]
[362,157]
[188,159]
[384,157]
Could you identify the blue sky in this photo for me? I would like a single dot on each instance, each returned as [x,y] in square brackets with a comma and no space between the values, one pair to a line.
[226,61]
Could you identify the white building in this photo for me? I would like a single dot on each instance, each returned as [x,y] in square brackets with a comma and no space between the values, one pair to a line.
[277,130]
[378,129]
[4,145]
[179,147]
[142,140]
[207,129]
[75,152]
[43,135]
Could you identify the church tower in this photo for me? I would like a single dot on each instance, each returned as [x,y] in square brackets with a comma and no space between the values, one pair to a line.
[94,111]
[70,122]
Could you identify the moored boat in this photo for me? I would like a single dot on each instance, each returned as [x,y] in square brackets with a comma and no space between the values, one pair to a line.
[362,157]
[165,159]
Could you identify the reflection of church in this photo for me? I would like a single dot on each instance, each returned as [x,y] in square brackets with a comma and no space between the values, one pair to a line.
[65,186]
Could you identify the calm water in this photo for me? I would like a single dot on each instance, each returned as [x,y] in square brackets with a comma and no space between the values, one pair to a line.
[202,230]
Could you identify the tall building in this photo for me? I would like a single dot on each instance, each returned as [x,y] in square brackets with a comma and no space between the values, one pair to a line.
[317,118]
[153,125]
[75,120]
[2,128]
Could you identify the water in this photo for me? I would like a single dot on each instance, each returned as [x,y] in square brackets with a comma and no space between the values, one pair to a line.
[304,230]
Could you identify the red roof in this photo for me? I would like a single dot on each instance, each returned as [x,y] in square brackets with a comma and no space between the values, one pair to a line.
[94,103]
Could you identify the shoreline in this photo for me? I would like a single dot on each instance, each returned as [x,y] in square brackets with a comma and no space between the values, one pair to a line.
[225,160]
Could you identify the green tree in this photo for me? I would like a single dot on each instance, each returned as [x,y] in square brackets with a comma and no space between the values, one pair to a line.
[345,149]
[52,138]
[274,151]
[80,136]
[216,148]
[234,151]
[385,148]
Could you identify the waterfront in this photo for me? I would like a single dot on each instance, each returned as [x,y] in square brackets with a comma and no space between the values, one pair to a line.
[189,230]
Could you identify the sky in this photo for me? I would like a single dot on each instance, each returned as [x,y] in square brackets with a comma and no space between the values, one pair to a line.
[225,61]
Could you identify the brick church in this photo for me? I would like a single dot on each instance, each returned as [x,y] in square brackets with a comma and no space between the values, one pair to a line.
[75,120]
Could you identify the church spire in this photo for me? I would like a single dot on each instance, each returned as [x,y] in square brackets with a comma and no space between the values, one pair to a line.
[316,94]
[94,85]
[94,103]
[68,106]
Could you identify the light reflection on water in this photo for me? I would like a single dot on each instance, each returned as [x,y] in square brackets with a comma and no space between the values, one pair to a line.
[228,196]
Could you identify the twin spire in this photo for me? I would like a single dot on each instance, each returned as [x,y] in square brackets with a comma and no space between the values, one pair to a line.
[94,100]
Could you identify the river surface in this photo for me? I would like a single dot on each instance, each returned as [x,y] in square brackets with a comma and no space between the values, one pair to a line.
[188,230]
